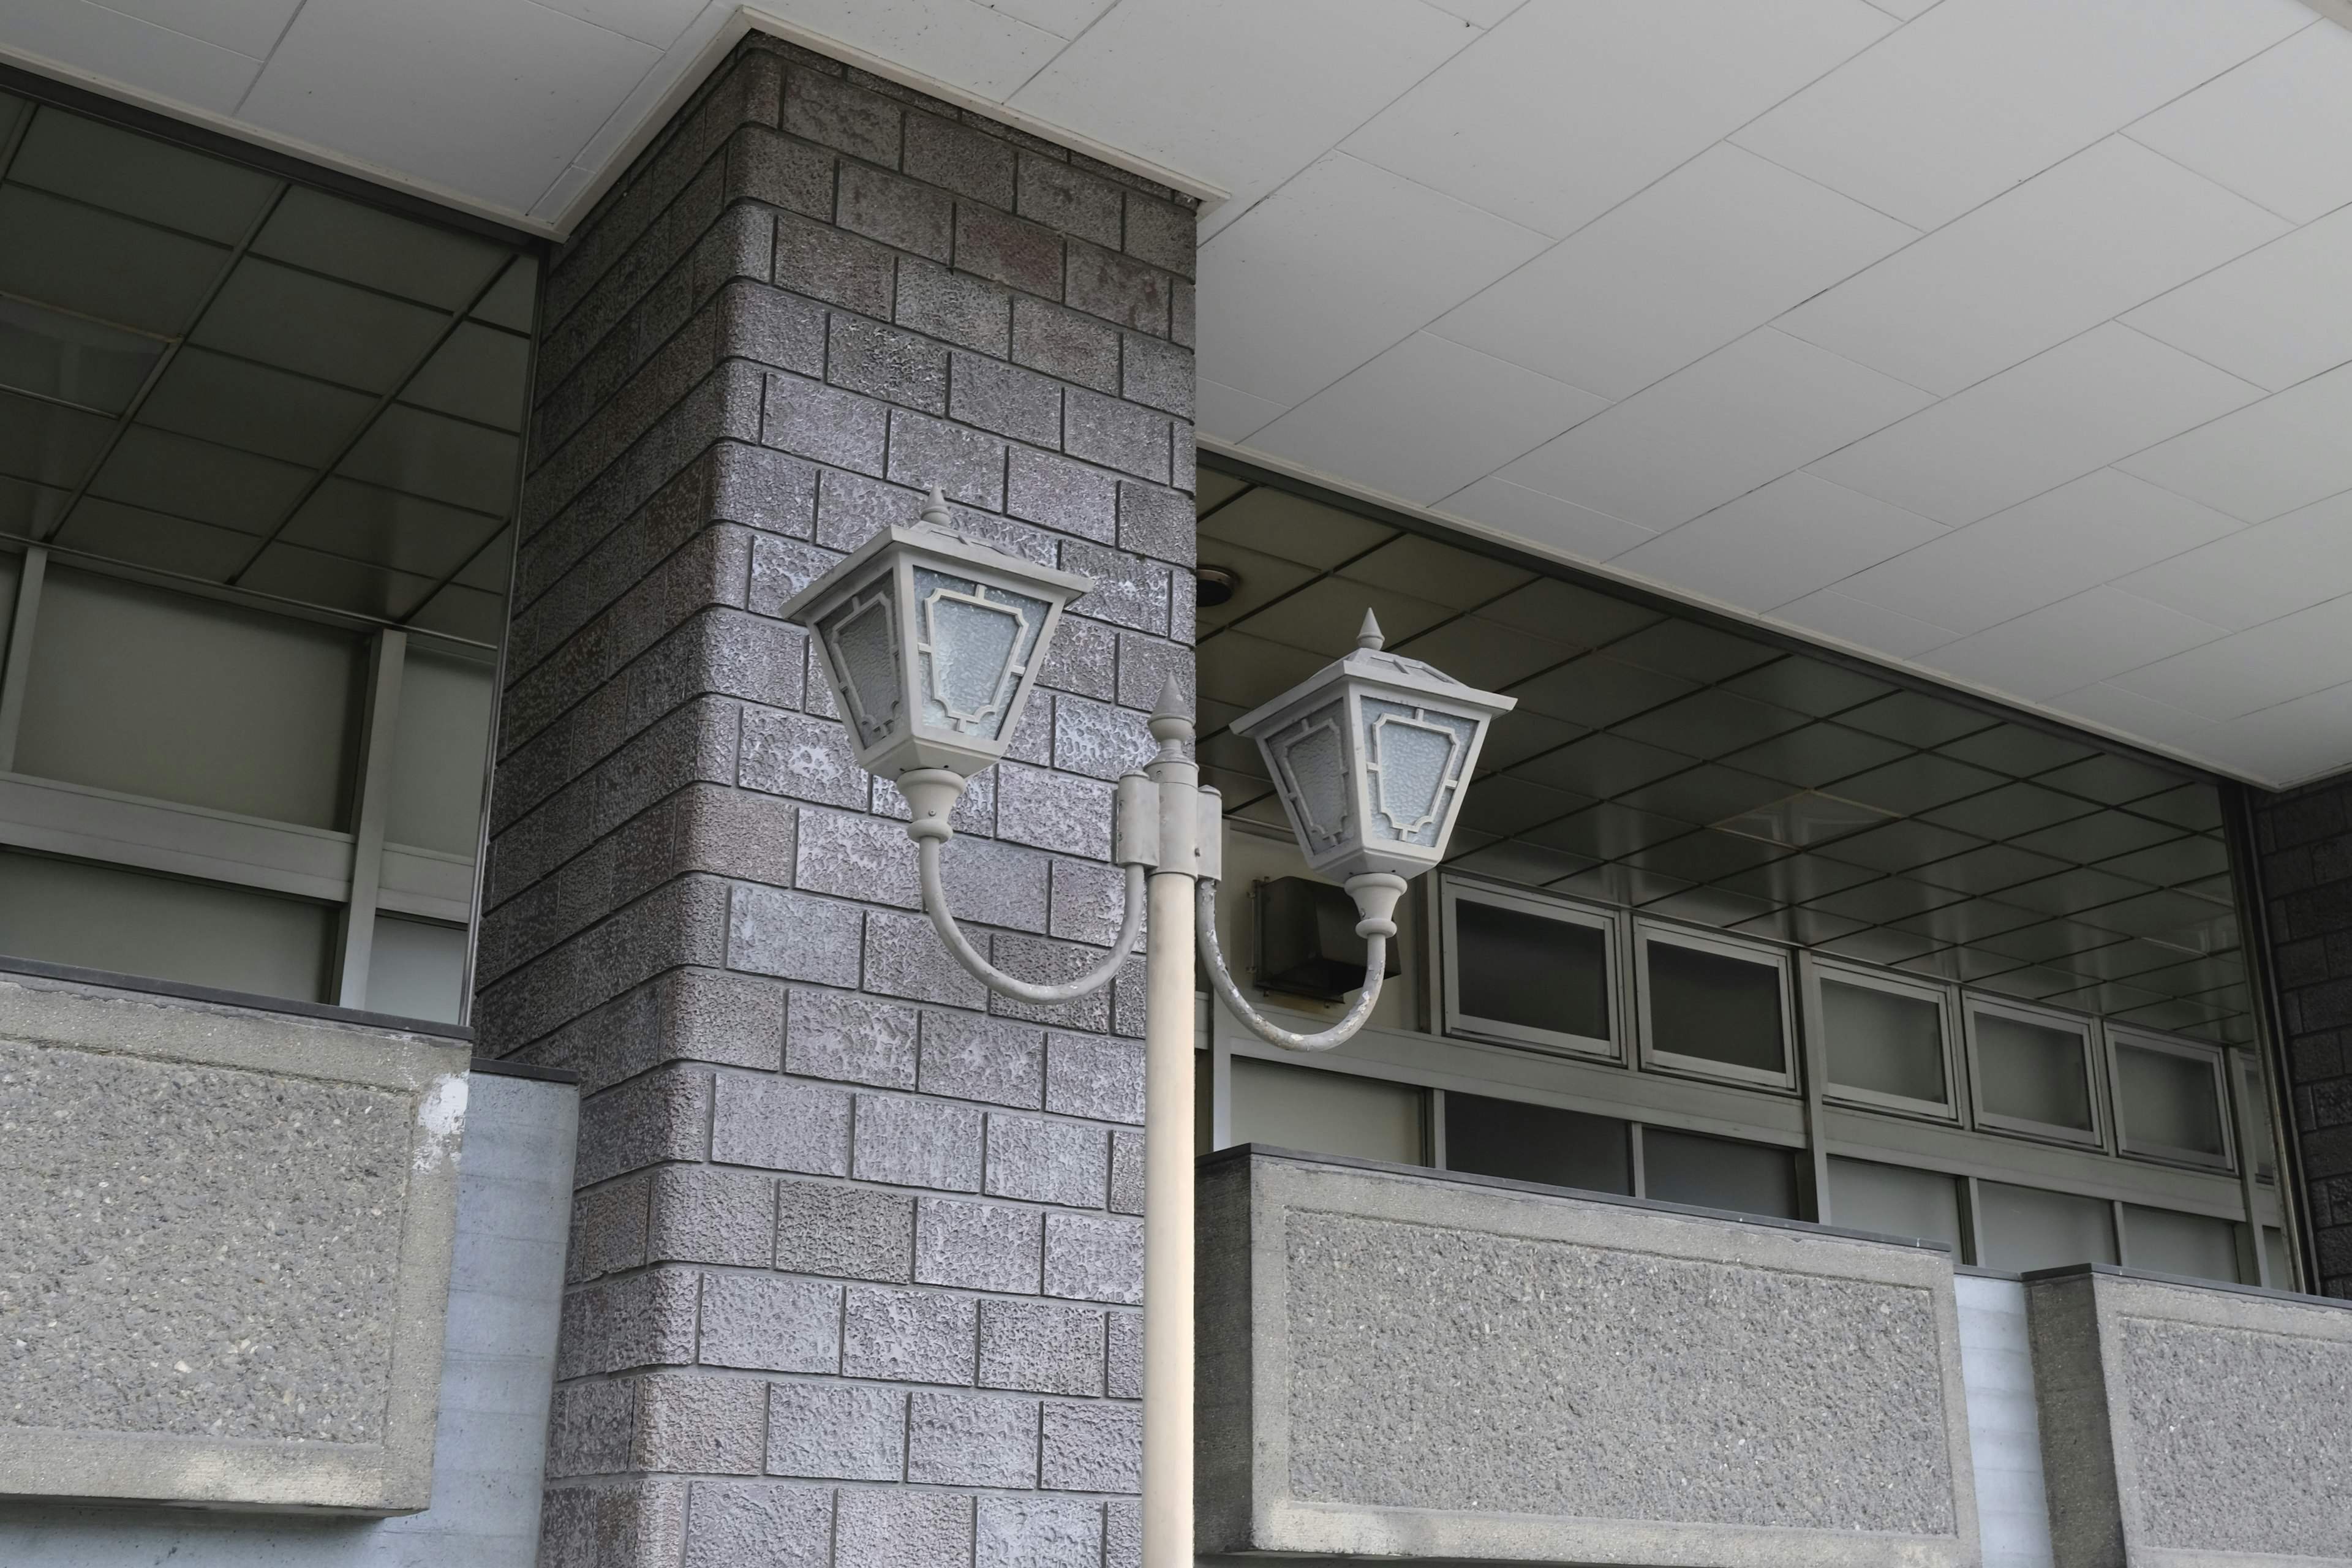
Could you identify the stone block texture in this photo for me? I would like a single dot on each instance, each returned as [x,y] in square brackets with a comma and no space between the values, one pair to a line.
[2302,847]
[852,1237]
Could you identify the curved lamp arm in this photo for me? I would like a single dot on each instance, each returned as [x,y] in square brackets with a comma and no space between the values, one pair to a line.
[935,904]
[1376,895]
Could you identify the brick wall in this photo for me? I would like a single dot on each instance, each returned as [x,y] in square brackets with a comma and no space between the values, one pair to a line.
[856,1257]
[2305,842]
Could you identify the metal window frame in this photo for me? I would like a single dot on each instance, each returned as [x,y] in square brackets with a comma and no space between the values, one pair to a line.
[1655,1058]
[1945,999]
[2120,1039]
[1454,1020]
[2083,1027]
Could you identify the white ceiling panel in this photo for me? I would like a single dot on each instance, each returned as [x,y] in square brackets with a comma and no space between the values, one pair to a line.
[2071,642]
[1831,614]
[1341,262]
[981,50]
[1780,541]
[250,28]
[1738,418]
[2079,535]
[1545,520]
[657,21]
[2108,229]
[2276,317]
[2287,451]
[2300,738]
[1570,105]
[1977,95]
[1229,414]
[2249,671]
[2274,129]
[2112,708]
[1237,90]
[1064,18]
[345,73]
[1712,251]
[138,54]
[1426,418]
[2259,574]
[2057,417]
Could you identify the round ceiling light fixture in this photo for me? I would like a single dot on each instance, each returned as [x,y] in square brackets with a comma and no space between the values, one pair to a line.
[1213,586]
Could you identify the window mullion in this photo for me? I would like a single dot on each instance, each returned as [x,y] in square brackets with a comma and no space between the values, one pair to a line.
[376,730]
[18,668]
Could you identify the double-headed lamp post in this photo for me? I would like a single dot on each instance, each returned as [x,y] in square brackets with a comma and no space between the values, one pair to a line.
[933,642]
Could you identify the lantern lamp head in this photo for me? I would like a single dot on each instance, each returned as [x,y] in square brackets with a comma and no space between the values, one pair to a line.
[932,643]
[1370,756]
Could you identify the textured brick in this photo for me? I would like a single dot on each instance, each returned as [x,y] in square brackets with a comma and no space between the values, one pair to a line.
[792,937]
[1098,740]
[854,1233]
[858,857]
[1123,1376]
[885,362]
[1066,344]
[780,1126]
[966,464]
[700,1424]
[917,217]
[1061,197]
[1089,902]
[781,172]
[839,269]
[917,1144]
[1145,663]
[1087,1076]
[1116,435]
[1128,590]
[1160,233]
[1158,374]
[608,1231]
[1094,1448]
[624,1526]
[1057,493]
[1047,1162]
[1054,811]
[908,1336]
[978,1247]
[1003,398]
[1122,1533]
[853,1038]
[1157,522]
[781,568]
[972,1440]
[971,312]
[822,109]
[1009,252]
[903,1530]
[1040,1348]
[969,1056]
[1038,1533]
[904,958]
[1050,963]
[1084,658]
[1184,325]
[826,423]
[791,753]
[1118,288]
[658,1118]
[748,1524]
[833,1431]
[768,1324]
[635,1320]
[704,1215]
[957,158]
[996,884]
[588,1428]
[1094,1257]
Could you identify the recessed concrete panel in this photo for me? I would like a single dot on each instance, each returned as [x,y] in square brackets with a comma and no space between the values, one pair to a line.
[2192,1426]
[224,1251]
[1402,1364]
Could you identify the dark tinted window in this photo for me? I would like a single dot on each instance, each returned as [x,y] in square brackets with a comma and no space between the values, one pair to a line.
[2032,1072]
[1714,1007]
[1883,1041]
[1745,1178]
[1537,1143]
[1515,967]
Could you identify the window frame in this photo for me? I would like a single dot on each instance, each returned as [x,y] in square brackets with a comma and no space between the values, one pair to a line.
[2094,1090]
[1454,1021]
[2215,1058]
[1652,1058]
[1951,1112]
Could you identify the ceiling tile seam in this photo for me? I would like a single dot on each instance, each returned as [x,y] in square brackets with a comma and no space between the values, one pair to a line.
[1877,657]
[275,45]
[2125,129]
[175,32]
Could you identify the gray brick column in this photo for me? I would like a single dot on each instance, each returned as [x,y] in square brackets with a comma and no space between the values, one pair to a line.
[856,1255]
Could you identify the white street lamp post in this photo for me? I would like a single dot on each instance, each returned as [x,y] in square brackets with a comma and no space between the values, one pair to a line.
[932,644]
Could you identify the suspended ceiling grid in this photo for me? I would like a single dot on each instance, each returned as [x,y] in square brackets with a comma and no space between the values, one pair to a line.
[1690,773]
[209,373]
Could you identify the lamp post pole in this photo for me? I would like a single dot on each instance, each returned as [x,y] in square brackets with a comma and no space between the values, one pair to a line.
[1168,1137]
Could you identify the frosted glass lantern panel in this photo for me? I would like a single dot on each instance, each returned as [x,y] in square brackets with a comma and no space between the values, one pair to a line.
[1310,759]
[2169,1100]
[1883,1041]
[975,642]
[1413,758]
[861,637]
[2032,1072]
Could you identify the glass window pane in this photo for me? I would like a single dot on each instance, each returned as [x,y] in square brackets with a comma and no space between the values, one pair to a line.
[2274,1254]
[132,922]
[2168,1242]
[2032,1072]
[417,970]
[1324,1112]
[438,753]
[2255,1091]
[111,167]
[1718,1173]
[178,698]
[1714,1007]
[367,245]
[2169,1100]
[2025,1228]
[1516,967]
[1883,1041]
[1537,1143]
[1894,1200]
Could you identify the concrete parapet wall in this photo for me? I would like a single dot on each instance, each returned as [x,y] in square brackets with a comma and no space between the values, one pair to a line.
[1401,1364]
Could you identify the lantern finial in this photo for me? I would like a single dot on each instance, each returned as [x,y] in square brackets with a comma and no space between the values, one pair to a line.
[1367,636]
[935,509]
